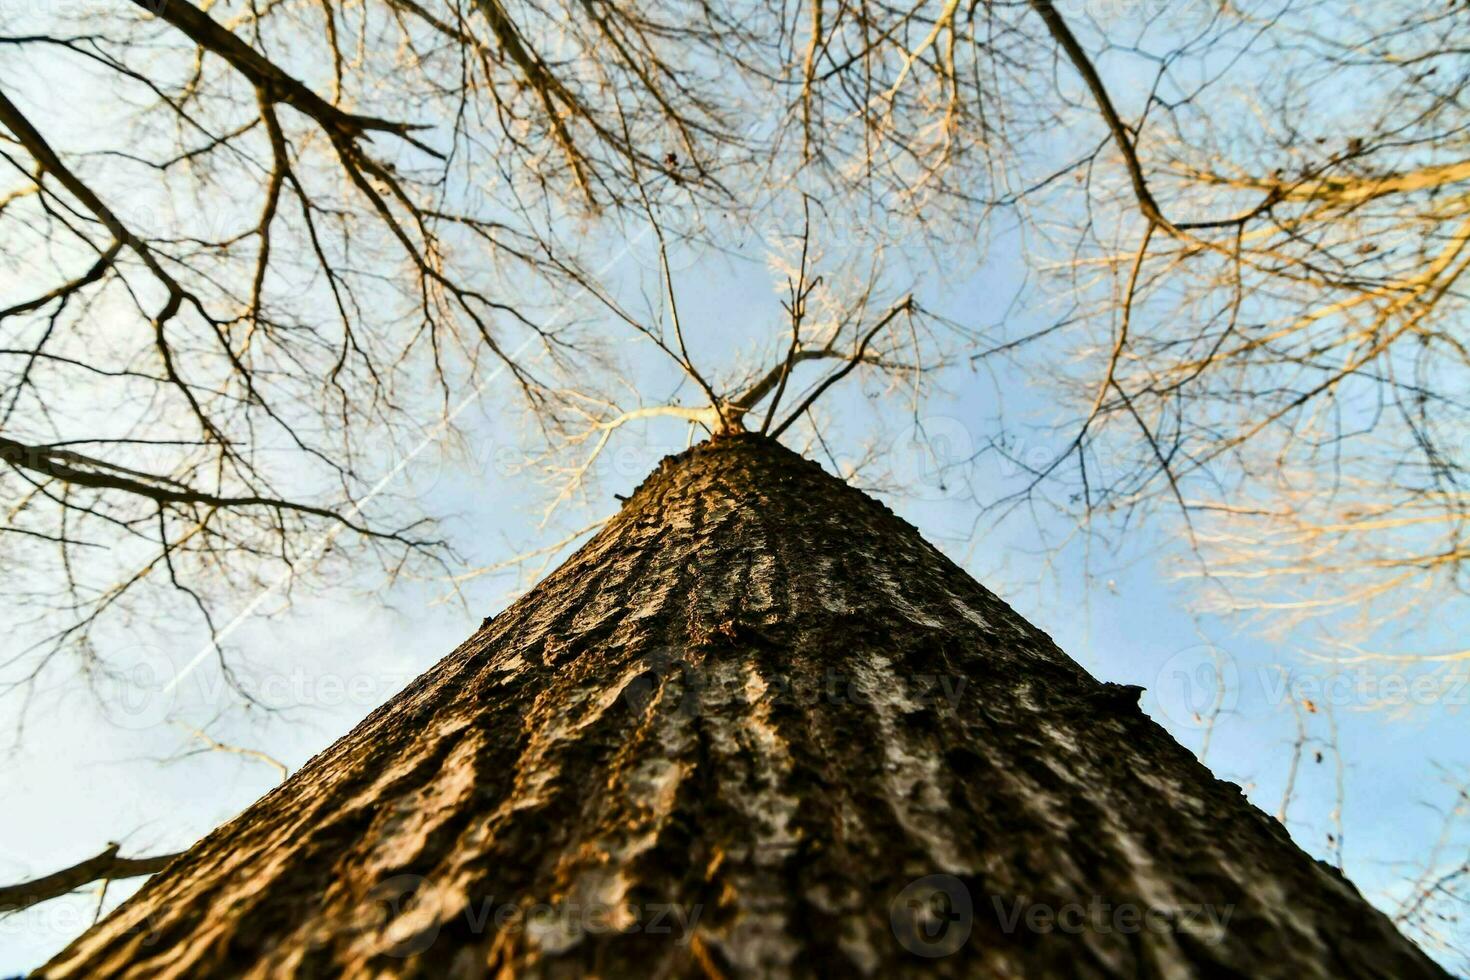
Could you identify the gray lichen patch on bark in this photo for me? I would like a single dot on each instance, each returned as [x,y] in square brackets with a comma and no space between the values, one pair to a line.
[724,738]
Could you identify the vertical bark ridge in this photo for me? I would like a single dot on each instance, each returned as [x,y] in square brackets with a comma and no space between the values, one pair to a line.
[753,710]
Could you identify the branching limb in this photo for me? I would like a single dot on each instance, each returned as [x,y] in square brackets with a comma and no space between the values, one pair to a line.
[905,305]
[107,866]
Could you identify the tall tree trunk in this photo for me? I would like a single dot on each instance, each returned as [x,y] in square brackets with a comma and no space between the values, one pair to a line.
[757,726]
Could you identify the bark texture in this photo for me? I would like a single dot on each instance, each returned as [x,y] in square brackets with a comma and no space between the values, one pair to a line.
[757,726]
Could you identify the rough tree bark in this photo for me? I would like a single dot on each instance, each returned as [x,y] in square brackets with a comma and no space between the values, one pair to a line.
[757,726]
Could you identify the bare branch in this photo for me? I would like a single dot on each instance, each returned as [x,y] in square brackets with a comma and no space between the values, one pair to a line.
[106,866]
